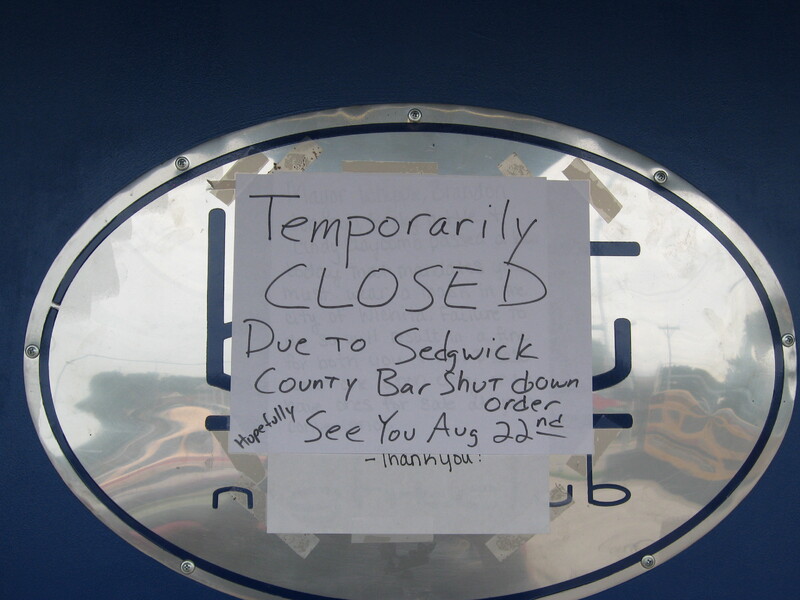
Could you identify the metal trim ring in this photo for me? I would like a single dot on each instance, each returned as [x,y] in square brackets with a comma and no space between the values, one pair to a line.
[396,118]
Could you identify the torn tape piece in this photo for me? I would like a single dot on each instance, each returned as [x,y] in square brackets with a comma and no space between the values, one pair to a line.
[300,157]
[259,511]
[577,463]
[603,439]
[375,166]
[301,543]
[223,188]
[512,166]
[503,546]
[390,539]
[558,494]
[601,199]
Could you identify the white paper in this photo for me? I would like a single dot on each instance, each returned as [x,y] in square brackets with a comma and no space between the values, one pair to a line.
[410,314]
[408,494]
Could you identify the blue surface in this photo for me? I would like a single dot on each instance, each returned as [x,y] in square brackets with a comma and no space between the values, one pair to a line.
[94,96]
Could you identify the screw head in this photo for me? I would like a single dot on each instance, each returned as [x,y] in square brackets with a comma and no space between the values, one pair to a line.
[648,561]
[787,340]
[182,163]
[660,177]
[187,567]
[32,351]
[415,115]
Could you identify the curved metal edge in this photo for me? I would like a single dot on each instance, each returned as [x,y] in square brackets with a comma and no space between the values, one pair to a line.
[387,114]
[432,113]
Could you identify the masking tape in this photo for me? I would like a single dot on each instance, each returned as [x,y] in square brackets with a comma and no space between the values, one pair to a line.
[558,494]
[601,199]
[374,166]
[513,166]
[602,440]
[223,187]
[301,543]
[300,157]
[577,462]
[390,539]
[503,546]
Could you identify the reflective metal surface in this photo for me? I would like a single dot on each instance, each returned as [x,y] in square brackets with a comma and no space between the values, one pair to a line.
[687,327]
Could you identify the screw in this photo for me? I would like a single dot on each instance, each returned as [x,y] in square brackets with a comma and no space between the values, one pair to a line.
[32,351]
[788,340]
[648,561]
[187,567]
[415,115]
[182,163]
[660,177]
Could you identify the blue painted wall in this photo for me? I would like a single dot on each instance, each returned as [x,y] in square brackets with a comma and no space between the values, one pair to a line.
[93,96]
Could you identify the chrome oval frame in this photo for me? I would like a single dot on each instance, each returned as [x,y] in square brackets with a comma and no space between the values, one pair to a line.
[375,119]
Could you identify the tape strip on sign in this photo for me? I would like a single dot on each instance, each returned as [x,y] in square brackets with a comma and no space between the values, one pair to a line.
[513,166]
[223,187]
[300,157]
[301,543]
[391,539]
[374,166]
[503,546]
[600,197]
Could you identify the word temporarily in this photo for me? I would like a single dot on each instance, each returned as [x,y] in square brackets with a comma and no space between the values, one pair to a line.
[342,231]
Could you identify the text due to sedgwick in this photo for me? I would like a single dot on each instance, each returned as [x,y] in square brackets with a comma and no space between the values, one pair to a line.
[402,313]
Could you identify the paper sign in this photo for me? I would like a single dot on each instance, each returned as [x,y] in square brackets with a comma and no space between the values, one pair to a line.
[408,494]
[410,314]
